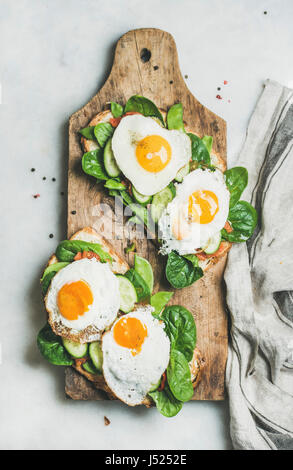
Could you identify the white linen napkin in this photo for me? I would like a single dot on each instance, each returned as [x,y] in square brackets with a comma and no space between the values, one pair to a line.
[259,279]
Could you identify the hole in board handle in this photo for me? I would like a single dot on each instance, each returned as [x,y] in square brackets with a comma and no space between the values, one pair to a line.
[145,55]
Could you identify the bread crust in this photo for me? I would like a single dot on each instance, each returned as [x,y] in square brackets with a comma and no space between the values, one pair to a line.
[217,161]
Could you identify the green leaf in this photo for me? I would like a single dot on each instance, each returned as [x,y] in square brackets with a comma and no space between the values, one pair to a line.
[199,151]
[181,329]
[243,219]
[92,164]
[51,348]
[175,117]
[141,287]
[49,273]
[181,272]
[236,180]
[208,141]
[143,105]
[116,109]
[88,132]
[166,403]
[193,259]
[159,300]
[103,131]
[115,184]
[67,250]
[144,268]
[179,376]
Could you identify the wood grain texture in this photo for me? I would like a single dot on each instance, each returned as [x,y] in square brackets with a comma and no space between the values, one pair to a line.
[160,80]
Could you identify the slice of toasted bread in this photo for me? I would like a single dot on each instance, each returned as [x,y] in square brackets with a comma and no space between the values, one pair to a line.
[216,160]
[118,266]
[196,366]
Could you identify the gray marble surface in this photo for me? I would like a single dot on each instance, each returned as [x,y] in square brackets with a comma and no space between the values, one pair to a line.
[53,58]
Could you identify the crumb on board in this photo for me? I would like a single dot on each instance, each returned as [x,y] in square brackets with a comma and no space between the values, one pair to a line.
[106,421]
[219,97]
[35,196]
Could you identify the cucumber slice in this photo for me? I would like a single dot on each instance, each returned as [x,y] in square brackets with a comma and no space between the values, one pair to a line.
[96,355]
[140,198]
[128,295]
[143,267]
[76,350]
[89,367]
[110,164]
[182,172]
[161,200]
[213,244]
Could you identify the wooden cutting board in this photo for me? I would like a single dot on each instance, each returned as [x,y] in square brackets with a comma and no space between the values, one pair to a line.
[146,63]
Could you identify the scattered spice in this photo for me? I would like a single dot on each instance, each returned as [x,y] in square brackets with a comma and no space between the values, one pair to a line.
[145,55]
[44,178]
[225,82]
[265,12]
[36,196]
[33,169]
[156,67]
[171,81]
[62,193]
[219,97]
[185,76]
[73,212]
[106,421]
[53,179]
[51,235]
[229,101]
[219,88]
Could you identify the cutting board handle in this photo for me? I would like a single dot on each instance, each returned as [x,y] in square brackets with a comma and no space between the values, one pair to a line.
[153,54]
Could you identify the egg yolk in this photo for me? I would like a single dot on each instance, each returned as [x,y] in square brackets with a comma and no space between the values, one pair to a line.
[202,206]
[153,153]
[130,333]
[74,299]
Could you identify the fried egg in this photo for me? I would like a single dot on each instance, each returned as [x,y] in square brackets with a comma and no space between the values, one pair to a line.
[83,298]
[148,154]
[135,354]
[199,210]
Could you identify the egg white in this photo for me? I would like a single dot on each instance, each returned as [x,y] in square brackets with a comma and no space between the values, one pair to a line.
[131,377]
[129,132]
[199,234]
[105,289]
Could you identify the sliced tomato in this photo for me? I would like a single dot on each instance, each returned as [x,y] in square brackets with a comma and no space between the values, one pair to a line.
[115,121]
[228,227]
[201,255]
[163,382]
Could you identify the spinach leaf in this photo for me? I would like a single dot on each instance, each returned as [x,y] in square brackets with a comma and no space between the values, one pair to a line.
[92,164]
[181,272]
[179,376]
[175,117]
[88,132]
[49,273]
[193,259]
[181,329]
[103,131]
[208,141]
[199,151]
[243,219]
[159,300]
[114,184]
[67,250]
[51,348]
[236,180]
[143,105]
[166,403]
[116,109]
[141,287]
